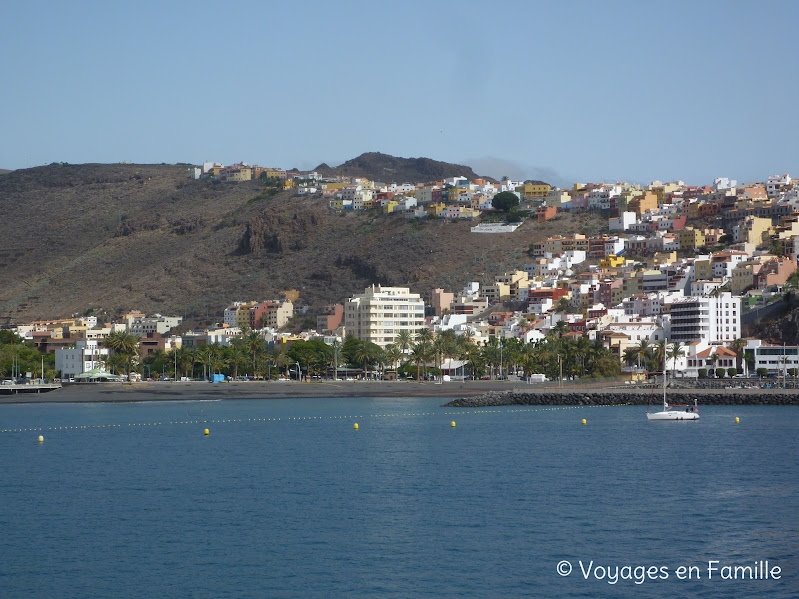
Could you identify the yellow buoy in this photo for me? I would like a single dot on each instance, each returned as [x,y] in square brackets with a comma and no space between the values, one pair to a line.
[737,420]
[452,424]
[206,432]
[41,438]
[355,426]
[585,421]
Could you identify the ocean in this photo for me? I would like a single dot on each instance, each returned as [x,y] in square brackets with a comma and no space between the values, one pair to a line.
[284,498]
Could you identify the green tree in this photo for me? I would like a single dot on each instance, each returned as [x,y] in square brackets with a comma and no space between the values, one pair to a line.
[505,201]
[126,344]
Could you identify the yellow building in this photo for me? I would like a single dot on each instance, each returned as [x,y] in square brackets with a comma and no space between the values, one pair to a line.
[275,173]
[691,239]
[643,203]
[514,280]
[743,277]
[611,262]
[663,190]
[497,292]
[557,197]
[436,209]
[390,207]
[752,229]
[703,270]
[336,204]
[243,315]
[664,258]
[534,190]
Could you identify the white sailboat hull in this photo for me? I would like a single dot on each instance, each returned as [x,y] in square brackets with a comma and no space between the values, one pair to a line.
[672,415]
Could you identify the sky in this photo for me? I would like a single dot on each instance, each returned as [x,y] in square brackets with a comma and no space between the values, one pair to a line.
[561,91]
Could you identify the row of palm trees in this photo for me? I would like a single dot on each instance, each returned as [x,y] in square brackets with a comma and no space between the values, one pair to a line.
[419,354]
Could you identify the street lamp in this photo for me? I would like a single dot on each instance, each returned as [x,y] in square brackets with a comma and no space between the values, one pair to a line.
[297,364]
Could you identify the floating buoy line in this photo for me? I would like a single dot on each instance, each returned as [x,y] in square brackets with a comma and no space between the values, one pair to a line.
[461,412]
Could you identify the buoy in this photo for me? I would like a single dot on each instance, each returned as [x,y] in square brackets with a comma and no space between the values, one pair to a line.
[355,426]
[737,420]
[41,438]
[452,424]
[206,432]
[585,421]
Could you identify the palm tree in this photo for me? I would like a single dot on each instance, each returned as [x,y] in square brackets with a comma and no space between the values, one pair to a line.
[254,346]
[125,343]
[367,353]
[530,358]
[660,355]
[235,355]
[335,354]
[424,335]
[472,355]
[403,339]
[203,355]
[393,354]
[420,354]
[186,359]
[738,347]
[643,352]
[676,351]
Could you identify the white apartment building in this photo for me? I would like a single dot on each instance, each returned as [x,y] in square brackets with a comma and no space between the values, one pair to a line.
[600,198]
[379,313]
[777,359]
[153,324]
[776,183]
[86,356]
[710,319]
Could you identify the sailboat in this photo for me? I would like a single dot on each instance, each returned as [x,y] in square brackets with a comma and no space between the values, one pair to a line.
[673,411]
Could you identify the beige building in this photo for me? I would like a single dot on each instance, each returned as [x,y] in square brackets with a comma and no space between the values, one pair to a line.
[441,300]
[752,229]
[379,313]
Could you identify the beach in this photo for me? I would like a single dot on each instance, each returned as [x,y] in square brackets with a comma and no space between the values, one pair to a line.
[177,391]
[480,391]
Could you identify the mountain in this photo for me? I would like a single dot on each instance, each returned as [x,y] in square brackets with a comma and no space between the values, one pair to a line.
[116,237]
[391,169]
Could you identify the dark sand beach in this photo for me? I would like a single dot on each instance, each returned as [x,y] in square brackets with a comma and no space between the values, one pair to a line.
[182,391]
[177,391]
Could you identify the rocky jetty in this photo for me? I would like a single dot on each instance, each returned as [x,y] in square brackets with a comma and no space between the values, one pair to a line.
[549,397]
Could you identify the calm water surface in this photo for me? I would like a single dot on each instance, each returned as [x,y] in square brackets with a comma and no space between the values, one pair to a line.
[406,506]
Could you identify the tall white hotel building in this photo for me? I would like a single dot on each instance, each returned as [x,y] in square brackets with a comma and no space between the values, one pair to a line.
[379,313]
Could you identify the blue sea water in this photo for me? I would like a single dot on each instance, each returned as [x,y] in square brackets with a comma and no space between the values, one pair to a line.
[285,499]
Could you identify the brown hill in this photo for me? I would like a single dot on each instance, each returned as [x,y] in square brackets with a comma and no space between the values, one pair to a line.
[391,169]
[121,236]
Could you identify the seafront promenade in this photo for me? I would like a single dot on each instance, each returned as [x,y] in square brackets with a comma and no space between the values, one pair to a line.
[472,393]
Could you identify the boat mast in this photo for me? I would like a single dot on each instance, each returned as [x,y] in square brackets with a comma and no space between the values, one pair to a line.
[665,345]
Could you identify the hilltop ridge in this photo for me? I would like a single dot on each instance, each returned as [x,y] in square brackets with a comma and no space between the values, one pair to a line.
[391,169]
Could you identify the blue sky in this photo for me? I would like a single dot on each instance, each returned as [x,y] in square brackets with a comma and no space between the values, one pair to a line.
[563,91]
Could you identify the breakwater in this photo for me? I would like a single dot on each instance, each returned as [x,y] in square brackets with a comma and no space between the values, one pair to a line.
[550,397]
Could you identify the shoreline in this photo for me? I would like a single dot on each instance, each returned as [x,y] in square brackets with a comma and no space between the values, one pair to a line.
[188,391]
[456,393]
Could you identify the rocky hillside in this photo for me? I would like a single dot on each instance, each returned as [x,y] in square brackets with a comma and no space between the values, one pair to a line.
[122,236]
[391,169]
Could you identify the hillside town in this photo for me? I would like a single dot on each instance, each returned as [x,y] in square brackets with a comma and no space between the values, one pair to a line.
[672,279]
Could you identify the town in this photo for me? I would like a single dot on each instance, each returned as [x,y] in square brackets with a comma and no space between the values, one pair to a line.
[667,284]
